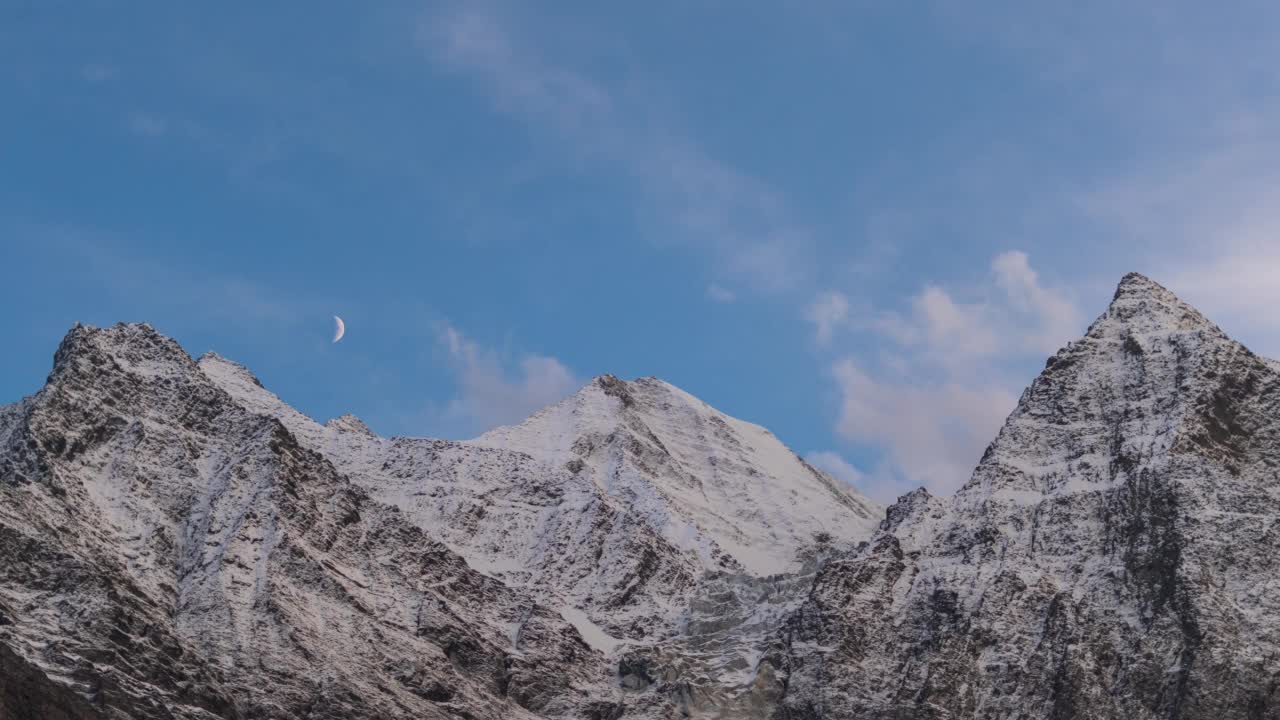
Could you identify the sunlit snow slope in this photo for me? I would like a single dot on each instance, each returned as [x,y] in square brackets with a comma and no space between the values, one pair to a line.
[613,502]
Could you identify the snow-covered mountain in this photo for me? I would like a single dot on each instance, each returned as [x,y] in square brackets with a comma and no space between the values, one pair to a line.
[613,501]
[1116,554]
[181,543]
[167,552]
[177,542]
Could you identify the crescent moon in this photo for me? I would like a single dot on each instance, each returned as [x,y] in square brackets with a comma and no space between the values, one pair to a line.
[339,328]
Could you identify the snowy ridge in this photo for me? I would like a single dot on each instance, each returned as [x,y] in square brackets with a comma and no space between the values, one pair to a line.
[177,542]
[704,481]
[612,505]
[725,493]
[1113,555]
[167,552]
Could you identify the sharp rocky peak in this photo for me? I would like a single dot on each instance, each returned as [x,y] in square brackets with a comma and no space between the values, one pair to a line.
[614,387]
[162,542]
[630,392]
[1104,559]
[1115,401]
[350,423]
[1135,283]
[1143,305]
[131,346]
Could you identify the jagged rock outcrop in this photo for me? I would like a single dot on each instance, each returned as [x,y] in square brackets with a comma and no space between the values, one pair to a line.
[1116,554]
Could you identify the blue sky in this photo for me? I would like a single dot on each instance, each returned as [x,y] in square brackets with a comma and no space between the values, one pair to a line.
[863,225]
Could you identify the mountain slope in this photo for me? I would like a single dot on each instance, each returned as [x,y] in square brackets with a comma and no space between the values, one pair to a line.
[179,543]
[612,501]
[725,489]
[167,553]
[626,507]
[1116,554]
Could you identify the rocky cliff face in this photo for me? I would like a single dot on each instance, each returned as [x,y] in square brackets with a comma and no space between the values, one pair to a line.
[623,509]
[1116,553]
[177,542]
[165,552]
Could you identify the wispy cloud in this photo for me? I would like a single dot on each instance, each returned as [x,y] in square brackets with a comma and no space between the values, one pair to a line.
[719,294]
[741,221]
[928,432]
[835,465]
[98,72]
[492,391]
[147,124]
[1048,317]
[947,373]
[827,312]
[199,295]
[1189,195]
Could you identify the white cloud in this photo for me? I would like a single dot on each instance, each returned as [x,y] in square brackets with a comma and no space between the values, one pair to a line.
[97,72]
[949,328]
[1194,198]
[520,82]
[1055,317]
[946,375]
[1237,288]
[929,433]
[490,395]
[739,220]
[147,124]
[720,294]
[200,296]
[827,312]
[1012,314]
[835,466]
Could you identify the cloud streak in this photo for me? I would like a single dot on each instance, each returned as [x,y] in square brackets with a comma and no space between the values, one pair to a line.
[947,373]
[827,312]
[492,392]
[835,465]
[198,295]
[737,219]
[719,294]
[147,124]
[1188,194]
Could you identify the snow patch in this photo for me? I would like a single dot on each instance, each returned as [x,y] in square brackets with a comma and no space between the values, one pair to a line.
[593,634]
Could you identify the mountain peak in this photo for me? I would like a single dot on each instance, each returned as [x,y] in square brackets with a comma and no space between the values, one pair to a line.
[616,387]
[1127,502]
[350,423]
[135,347]
[1136,282]
[1136,382]
[1145,306]
[707,482]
